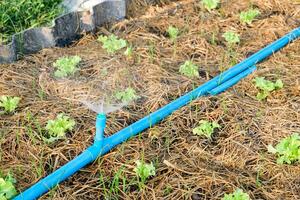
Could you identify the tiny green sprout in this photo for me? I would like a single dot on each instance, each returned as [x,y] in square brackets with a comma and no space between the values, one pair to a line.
[247,17]
[57,128]
[144,170]
[206,128]
[210,4]
[9,104]
[126,96]
[7,188]
[66,66]
[189,69]
[231,37]
[129,51]
[287,150]
[173,33]
[237,195]
[111,43]
[266,86]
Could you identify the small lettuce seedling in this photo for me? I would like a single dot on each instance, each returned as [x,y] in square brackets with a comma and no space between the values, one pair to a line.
[66,66]
[210,4]
[57,128]
[247,17]
[266,86]
[206,128]
[189,69]
[111,43]
[173,33]
[287,150]
[237,195]
[7,188]
[143,170]
[127,96]
[231,37]
[9,104]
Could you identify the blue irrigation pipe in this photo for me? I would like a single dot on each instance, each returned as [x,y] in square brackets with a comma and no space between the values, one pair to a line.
[227,84]
[103,145]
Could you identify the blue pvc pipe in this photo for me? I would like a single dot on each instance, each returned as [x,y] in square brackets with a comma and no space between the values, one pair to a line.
[224,86]
[104,146]
[100,127]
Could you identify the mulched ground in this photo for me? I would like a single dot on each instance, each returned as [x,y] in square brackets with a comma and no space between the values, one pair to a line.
[188,166]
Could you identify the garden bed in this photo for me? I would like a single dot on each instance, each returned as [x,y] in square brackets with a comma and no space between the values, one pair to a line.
[187,166]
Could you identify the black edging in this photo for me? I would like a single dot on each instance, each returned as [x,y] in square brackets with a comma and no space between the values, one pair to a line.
[66,29]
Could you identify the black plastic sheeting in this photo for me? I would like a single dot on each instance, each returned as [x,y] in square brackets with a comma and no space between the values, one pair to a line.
[66,29]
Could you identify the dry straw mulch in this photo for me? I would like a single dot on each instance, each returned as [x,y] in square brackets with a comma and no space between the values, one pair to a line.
[188,166]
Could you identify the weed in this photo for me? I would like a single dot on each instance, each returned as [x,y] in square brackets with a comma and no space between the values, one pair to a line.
[287,150]
[231,37]
[247,17]
[18,15]
[111,43]
[206,128]
[7,188]
[173,33]
[210,4]
[66,66]
[126,96]
[189,69]
[129,51]
[237,195]
[144,171]
[9,104]
[57,128]
[266,86]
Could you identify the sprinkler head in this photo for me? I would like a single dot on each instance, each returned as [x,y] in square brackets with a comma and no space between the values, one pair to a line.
[100,127]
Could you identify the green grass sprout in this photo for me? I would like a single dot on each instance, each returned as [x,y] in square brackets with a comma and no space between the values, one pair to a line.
[19,15]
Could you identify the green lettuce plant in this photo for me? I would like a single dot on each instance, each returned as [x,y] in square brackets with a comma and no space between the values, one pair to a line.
[57,128]
[266,87]
[144,170]
[248,16]
[9,104]
[66,66]
[189,69]
[111,43]
[7,188]
[210,4]
[127,95]
[173,33]
[206,128]
[237,195]
[287,150]
[231,37]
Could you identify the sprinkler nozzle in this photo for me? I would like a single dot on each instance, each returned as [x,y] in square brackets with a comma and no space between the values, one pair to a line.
[100,127]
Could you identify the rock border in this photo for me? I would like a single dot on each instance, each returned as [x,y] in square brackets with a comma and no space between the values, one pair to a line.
[66,29]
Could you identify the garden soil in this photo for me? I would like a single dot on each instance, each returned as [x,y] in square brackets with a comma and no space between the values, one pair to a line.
[187,166]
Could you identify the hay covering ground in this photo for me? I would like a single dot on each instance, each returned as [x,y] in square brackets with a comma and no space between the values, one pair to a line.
[188,167]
